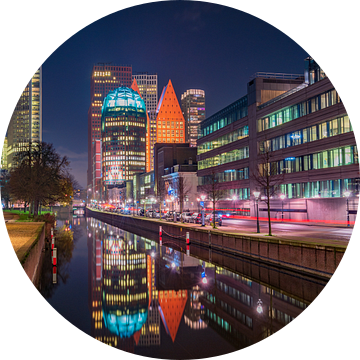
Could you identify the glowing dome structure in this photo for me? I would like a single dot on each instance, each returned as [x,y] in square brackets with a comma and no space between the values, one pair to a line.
[125,325]
[123,97]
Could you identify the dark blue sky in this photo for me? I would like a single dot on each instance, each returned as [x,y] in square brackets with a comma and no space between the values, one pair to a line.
[196,45]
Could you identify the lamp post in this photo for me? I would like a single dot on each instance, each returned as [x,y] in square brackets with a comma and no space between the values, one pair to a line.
[234,199]
[202,211]
[347,194]
[257,194]
[282,197]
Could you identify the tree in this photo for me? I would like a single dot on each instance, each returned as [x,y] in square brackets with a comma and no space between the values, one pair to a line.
[5,188]
[39,176]
[160,192]
[182,189]
[212,189]
[266,177]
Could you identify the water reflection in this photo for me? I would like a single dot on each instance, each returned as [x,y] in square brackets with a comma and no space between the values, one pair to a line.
[142,295]
[158,302]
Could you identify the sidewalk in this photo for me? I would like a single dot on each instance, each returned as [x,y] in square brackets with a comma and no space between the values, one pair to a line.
[9,217]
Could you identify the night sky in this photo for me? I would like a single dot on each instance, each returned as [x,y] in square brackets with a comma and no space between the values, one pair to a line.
[196,45]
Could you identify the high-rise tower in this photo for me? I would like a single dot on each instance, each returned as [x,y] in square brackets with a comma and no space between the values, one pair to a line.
[170,121]
[123,129]
[104,78]
[26,121]
[193,108]
[148,89]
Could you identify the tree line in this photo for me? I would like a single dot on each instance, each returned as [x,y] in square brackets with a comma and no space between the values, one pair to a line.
[40,177]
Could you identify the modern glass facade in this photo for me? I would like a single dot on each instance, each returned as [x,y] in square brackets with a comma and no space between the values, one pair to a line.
[346,155]
[26,120]
[340,125]
[148,88]
[308,136]
[193,108]
[224,140]
[226,157]
[228,115]
[123,128]
[293,112]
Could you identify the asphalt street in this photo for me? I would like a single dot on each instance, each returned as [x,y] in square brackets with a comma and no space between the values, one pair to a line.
[289,230]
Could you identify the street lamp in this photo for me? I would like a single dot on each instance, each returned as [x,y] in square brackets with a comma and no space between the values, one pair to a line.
[234,199]
[347,194]
[202,210]
[257,194]
[282,197]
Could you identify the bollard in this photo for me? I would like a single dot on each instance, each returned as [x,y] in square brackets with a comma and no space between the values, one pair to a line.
[54,256]
[187,244]
[54,275]
[160,235]
[160,240]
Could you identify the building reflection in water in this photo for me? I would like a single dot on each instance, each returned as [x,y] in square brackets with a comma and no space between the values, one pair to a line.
[135,287]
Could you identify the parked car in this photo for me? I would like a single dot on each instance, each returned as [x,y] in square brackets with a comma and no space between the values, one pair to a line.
[185,216]
[149,213]
[195,218]
[156,214]
[169,216]
[141,212]
[209,219]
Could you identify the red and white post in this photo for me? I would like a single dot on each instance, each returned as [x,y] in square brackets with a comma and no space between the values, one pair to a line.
[187,244]
[160,235]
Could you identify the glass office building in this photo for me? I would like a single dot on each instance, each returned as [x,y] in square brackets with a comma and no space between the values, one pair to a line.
[301,125]
[193,108]
[123,129]
[26,121]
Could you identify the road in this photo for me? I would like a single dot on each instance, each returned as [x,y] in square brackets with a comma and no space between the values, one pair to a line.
[292,230]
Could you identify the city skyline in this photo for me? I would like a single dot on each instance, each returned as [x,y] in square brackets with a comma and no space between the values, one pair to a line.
[205,30]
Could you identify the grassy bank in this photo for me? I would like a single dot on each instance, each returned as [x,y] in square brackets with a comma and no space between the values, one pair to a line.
[25,216]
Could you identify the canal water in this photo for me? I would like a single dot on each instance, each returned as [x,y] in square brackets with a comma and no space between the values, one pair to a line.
[157,301]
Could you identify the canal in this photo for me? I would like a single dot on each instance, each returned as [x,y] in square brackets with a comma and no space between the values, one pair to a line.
[158,301]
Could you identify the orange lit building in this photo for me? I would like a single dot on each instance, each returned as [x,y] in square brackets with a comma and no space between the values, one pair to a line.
[170,122]
[148,160]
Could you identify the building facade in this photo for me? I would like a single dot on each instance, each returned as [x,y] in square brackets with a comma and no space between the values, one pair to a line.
[148,89]
[301,126]
[193,109]
[104,78]
[26,121]
[170,122]
[4,155]
[123,128]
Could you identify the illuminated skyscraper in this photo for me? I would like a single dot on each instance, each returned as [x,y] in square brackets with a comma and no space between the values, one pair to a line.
[104,78]
[148,88]
[123,129]
[193,108]
[26,121]
[148,159]
[170,121]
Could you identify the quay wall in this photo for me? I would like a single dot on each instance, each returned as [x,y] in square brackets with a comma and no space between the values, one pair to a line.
[32,261]
[304,257]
